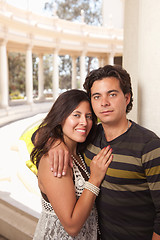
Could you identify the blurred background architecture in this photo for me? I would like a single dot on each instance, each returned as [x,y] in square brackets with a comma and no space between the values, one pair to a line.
[56,55]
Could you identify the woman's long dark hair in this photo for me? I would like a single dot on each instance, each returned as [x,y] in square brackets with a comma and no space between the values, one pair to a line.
[50,129]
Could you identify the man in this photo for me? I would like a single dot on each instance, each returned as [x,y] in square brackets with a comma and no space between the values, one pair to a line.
[129,202]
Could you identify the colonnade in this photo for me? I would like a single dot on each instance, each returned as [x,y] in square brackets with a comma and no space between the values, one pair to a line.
[4,88]
[29,33]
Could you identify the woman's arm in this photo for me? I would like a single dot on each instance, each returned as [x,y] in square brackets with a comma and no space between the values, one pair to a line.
[61,192]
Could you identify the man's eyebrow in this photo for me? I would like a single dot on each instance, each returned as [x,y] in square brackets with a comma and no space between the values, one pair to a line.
[113,90]
[110,91]
[95,94]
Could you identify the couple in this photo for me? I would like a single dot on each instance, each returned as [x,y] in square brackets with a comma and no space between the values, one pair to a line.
[128,202]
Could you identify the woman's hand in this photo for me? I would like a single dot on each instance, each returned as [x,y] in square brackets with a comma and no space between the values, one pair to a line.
[99,165]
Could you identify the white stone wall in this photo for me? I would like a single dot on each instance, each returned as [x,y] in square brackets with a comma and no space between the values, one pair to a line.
[113,11]
[141,59]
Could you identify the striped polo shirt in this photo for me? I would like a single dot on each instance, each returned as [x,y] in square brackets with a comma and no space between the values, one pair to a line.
[129,200]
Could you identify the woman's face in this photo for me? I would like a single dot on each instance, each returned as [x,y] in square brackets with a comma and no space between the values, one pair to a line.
[78,124]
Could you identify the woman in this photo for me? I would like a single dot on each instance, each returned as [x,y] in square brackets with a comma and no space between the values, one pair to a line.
[68,210]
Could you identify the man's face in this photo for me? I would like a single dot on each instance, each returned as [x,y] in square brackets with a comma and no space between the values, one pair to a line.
[108,101]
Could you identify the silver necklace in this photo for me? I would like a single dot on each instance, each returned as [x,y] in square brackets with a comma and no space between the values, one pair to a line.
[88,175]
[83,167]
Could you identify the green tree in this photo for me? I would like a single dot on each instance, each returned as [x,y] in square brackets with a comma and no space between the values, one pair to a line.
[71,10]
[35,74]
[48,71]
[16,63]
[17,72]
[64,72]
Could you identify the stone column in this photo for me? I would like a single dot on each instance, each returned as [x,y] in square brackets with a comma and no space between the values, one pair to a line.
[141,59]
[82,70]
[40,77]
[74,82]
[100,62]
[111,59]
[4,89]
[29,75]
[55,79]
[105,60]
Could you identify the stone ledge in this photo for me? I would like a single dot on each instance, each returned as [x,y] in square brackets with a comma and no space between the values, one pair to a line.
[16,224]
[14,113]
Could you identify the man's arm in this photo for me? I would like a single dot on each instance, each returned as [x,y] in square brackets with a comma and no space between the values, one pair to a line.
[151,161]
[59,158]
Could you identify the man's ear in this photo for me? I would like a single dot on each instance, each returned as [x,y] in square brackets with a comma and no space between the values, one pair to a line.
[128,98]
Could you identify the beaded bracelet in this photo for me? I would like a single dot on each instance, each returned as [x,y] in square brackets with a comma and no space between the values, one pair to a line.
[91,187]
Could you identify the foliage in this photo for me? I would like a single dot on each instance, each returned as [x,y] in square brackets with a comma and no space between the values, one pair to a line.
[48,71]
[16,63]
[71,10]
[35,72]
[17,71]
[65,73]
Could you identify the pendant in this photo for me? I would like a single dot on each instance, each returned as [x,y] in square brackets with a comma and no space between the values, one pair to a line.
[80,182]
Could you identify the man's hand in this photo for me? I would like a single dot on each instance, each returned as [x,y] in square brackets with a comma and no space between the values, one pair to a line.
[60,158]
